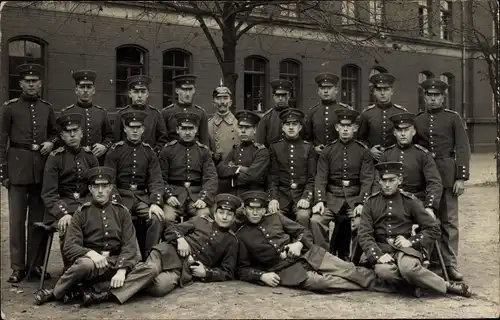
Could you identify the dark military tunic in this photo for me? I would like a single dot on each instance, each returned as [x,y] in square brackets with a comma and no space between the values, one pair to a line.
[345,173]
[155,133]
[269,127]
[138,174]
[292,171]
[65,184]
[188,171]
[25,122]
[443,133]
[375,128]
[169,112]
[102,228]
[249,154]
[420,174]
[96,127]
[320,122]
[386,217]
[213,246]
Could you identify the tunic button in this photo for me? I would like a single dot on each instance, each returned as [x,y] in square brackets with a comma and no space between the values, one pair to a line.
[105,226]
[104,218]
[105,233]
[103,211]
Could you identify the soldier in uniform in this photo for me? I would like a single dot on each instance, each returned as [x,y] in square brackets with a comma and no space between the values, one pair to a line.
[138,179]
[275,250]
[28,128]
[96,128]
[443,133]
[202,249]
[188,171]
[292,171]
[222,127]
[246,166]
[101,246]
[385,235]
[344,179]
[375,129]
[321,119]
[155,133]
[268,131]
[65,185]
[185,90]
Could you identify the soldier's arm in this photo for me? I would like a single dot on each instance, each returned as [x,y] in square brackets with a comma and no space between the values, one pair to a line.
[366,177]
[308,127]
[429,227]
[223,169]
[50,188]
[118,127]
[164,167]
[107,131]
[321,179]
[210,181]
[5,125]
[246,271]
[297,231]
[366,234]
[274,170]
[312,158]
[364,129]
[155,181]
[52,131]
[161,133]
[111,160]
[261,133]
[462,149]
[203,129]
[174,231]
[434,185]
[225,270]
[258,169]
[128,253]
[73,245]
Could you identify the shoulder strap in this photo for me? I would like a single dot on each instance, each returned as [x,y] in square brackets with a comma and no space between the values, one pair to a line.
[11,101]
[421,148]
[58,150]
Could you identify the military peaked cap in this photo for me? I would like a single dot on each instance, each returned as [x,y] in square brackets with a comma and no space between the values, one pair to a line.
[346,114]
[87,75]
[98,173]
[382,80]
[389,167]
[326,79]
[403,120]
[281,84]
[248,116]
[30,69]
[227,201]
[259,197]
[69,119]
[189,79]
[291,114]
[189,117]
[434,86]
[133,116]
[138,80]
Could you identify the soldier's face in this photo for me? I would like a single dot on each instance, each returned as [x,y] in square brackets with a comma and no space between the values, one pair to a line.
[433,100]
[101,191]
[222,103]
[390,183]
[187,131]
[85,91]
[254,212]
[185,94]
[246,131]
[72,135]
[291,128]
[224,218]
[139,95]
[328,93]
[134,131]
[383,94]
[281,98]
[31,85]
[346,129]
[404,136]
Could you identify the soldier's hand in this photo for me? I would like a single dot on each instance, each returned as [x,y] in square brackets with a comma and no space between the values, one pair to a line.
[99,149]
[274,206]
[319,148]
[217,157]
[376,152]
[198,270]
[6,183]
[319,208]
[183,247]
[430,211]
[119,278]
[386,258]
[99,260]
[157,211]
[356,212]
[200,204]
[63,223]
[402,242]
[458,187]
[47,147]
[271,279]
[303,204]
[294,249]
[243,169]
[173,202]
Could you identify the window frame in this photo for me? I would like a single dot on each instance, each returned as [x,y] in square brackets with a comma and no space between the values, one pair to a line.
[445,20]
[144,66]
[296,94]
[377,12]
[188,68]
[265,83]
[349,11]
[424,12]
[357,88]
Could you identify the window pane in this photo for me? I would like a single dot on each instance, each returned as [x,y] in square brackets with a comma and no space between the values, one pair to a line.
[168,58]
[121,73]
[129,55]
[33,50]
[16,48]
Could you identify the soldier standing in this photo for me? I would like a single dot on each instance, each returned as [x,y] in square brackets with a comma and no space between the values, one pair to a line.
[375,129]
[321,119]
[222,127]
[96,128]
[155,133]
[268,130]
[28,127]
[246,166]
[442,132]
[292,171]
[65,185]
[185,90]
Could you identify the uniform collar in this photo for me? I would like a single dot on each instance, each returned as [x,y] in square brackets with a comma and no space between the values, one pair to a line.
[279,109]
[101,206]
[130,143]
[246,143]
[328,102]
[84,105]
[346,143]
[187,144]
[227,118]
[138,106]
[408,146]
[25,97]
[392,196]
[73,150]
[384,106]
[294,140]
[437,110]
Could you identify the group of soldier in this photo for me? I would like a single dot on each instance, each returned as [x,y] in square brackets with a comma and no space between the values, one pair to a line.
[167,197]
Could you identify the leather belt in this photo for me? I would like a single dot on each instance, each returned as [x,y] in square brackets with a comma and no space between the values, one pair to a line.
[132,187]
[344,182]
[381,238]
[442,156]
[186,184]
[72,195]
[292,185]
[25,146]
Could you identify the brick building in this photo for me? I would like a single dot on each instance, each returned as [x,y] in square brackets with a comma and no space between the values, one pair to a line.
[119,40]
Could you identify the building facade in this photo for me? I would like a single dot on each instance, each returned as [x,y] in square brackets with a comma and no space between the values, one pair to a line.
[122,40]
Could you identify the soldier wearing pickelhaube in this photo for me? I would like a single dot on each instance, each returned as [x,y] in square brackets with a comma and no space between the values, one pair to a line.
[96,127]
[65,186]
[443,133]
[185,90]
[155,133]
[375,128]
[28,132]
[321,119]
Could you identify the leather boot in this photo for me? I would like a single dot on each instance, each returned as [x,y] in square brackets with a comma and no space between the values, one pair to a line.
[43,296]
[453,274]
[90,297]
[461,289]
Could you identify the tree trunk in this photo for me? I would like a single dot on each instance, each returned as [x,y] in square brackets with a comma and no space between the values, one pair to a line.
[229,67]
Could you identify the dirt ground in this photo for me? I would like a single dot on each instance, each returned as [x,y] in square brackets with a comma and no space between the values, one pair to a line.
[479,261]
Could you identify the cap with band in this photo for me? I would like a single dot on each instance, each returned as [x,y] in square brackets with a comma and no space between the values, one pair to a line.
[403,120]
[326,79]
[187,117]
[382,80]
[227,201]
[434,86]
[31,69]
[138,80]
[84,75]
[291,114]
[281,84]
[133,116]
[259,198]
[389,167]
[69,119]
[247,116]
[346,114]
[105,174]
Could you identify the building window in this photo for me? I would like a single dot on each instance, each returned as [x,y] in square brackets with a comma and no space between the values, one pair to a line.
[351,86]
[422,76]
[376,12]
[289,10]
[424,12]
[445,20]
[450,93]
[23,50]
[131,60]
[290,70]
[348,11]
[255,83]
[374,71]
[175,62]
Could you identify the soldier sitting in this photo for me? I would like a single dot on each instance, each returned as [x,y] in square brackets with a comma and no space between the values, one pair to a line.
[65,185]
[101,245]
[275,250]
[188,171]
[139,180]
[203,248]
[385,235]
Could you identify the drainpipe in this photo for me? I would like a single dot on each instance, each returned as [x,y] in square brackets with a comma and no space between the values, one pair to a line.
[464,87]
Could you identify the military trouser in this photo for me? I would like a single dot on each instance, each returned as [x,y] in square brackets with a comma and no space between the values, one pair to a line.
[302,216]
[187,211]
[148,231]
[25,200]
[165,281]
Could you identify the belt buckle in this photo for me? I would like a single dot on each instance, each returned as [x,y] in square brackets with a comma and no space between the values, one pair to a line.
[105,254]
[76,195]
[187,184]
[433,154]
[35,147]
[346,183]
[390,240]
[293,186]
[133,187]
